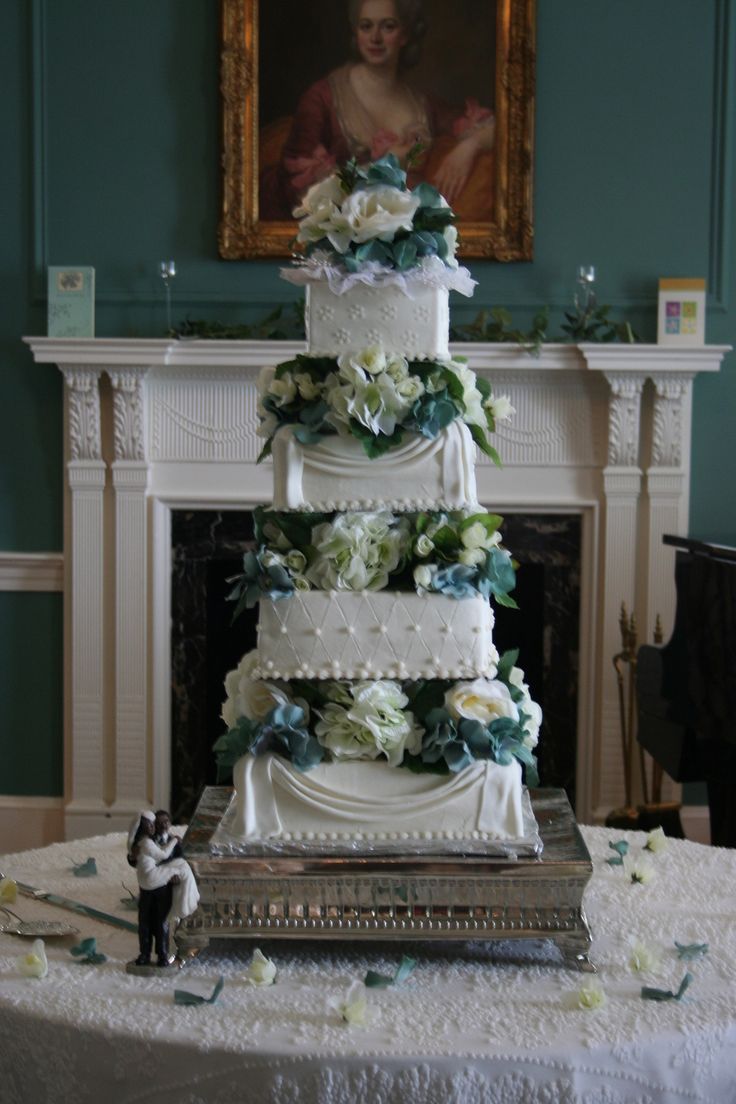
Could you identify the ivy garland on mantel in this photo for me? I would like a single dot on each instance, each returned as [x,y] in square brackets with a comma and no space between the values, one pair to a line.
[495,325]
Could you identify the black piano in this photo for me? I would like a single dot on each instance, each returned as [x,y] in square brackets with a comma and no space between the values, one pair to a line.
[686,689]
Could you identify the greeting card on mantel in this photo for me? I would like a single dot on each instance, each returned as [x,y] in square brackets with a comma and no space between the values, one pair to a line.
[681,315]
[71,301]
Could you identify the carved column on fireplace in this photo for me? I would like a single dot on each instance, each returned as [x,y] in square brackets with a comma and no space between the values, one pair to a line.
[130,483]
[85,765]
[665,480]
[622,480]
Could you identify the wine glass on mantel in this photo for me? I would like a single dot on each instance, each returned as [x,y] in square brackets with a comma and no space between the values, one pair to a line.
[167,272]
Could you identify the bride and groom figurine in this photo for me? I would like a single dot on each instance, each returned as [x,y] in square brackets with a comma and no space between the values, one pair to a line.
[167,889]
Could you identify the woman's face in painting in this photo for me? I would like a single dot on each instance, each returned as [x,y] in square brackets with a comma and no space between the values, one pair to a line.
[379,33]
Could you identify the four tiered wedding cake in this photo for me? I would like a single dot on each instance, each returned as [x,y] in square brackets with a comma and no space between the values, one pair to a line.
[375,712]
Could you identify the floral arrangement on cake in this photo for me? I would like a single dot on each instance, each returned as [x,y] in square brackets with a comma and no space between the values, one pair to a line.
[456,553]
[436,725]
[364,215]
[376,396]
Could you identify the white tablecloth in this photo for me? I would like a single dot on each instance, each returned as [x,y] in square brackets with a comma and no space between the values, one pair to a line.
[490,1023]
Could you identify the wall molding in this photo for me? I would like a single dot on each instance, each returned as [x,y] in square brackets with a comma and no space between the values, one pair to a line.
[30,822]
[719,246]
[31,571]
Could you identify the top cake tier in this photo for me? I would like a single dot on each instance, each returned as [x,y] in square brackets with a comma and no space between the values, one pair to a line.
[414,322]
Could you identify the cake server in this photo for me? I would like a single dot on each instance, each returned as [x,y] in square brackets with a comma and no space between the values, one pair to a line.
[74,906]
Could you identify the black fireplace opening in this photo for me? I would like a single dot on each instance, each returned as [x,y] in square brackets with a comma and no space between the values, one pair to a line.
[207,550]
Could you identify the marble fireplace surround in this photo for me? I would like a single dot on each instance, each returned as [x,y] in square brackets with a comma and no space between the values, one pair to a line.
[157,425]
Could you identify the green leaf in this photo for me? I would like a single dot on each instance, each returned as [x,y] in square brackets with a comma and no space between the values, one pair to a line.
[375,980]
[405,254]
[483,444]
[505,600]
[182,996]
[506,662]
[86,869]
[667,994]
[689,951]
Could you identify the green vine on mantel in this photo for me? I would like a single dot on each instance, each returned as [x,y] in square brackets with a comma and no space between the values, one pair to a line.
[495,325]
[282,324]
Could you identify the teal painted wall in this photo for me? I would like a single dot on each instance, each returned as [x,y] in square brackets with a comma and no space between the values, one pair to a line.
[110,129]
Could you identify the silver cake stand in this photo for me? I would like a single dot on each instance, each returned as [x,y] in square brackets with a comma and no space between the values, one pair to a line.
[427,897]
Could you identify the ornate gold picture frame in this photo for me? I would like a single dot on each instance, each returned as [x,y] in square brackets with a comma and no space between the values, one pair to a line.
[290,112]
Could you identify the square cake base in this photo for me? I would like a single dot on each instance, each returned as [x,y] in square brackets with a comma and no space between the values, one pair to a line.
[408,897]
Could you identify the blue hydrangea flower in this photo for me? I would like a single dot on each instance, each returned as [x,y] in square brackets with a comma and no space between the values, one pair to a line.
[456,580]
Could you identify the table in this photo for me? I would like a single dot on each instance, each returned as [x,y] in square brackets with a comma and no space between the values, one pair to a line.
[489,1023]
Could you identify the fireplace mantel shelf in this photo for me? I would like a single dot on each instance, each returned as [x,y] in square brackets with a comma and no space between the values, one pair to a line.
[151,425]
[163,352]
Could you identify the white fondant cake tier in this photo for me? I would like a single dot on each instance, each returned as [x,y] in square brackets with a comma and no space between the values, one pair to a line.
[415,325]
[372,802]
[336,474]
[374,634]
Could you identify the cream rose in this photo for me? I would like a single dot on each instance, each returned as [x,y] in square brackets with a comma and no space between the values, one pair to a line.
[320,196]
[249,697]
[500,408]
[371,360]
[261,971]
[483,700]
[379,212]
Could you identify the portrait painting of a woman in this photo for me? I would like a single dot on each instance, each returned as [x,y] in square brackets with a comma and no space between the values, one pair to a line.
[446,87]
[382,99]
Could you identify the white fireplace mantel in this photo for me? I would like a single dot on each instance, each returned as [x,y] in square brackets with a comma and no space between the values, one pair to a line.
[153,425]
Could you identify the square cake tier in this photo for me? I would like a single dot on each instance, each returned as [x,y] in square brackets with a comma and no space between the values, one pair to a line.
[336,473]
[370,802]
[414,325]
[374,634]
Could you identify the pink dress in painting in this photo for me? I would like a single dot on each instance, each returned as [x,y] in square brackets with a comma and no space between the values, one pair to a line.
[329,128]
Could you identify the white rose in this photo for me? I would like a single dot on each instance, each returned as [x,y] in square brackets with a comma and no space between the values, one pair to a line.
[379,211]
[423,546]
[450,236]
[472,398]
[474,536]
[531,728]
[500,408]
[321,195]
[268,426]
[410,388]
[423,576]
[308,388]
[262,971]
[283,389]
[472,557]
[397,367]
[354,1009]
[371,360]
[249,697]
[324,219]
[34,963]
[301,583]
[296,561]
[483,700]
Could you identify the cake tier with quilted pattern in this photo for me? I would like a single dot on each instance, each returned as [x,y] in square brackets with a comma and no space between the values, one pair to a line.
[375,634]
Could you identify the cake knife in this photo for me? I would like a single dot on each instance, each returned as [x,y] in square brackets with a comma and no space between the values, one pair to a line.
[74,906]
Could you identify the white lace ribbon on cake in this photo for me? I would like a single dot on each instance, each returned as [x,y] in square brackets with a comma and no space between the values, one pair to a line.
[429,272]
